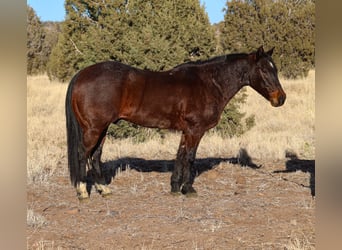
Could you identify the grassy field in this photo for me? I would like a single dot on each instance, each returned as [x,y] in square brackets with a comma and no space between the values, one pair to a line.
[243,208]
[277,130]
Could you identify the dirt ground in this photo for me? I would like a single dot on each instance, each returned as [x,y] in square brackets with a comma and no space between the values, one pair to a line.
[263,205]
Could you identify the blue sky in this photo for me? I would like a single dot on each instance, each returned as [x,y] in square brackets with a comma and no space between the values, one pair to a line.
[54,10]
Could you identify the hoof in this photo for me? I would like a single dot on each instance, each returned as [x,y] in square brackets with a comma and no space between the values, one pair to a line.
[178,193]
[104,190]
[106,195]
[175,187]
[189,191]
[81,191]
[191,195]
[83,198]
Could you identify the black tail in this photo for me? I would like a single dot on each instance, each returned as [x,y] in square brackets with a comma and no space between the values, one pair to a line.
[74,138]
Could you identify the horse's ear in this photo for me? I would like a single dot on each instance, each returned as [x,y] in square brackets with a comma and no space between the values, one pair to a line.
[260,52]
[270,52]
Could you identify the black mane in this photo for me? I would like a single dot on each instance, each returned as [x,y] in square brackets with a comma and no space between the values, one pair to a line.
[215,59]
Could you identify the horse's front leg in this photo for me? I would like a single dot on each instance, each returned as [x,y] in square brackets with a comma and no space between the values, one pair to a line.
[177,174]
[184,172]
[189,173]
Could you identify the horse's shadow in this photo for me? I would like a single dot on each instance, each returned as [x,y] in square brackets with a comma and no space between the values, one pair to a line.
[294,164]
[111,168]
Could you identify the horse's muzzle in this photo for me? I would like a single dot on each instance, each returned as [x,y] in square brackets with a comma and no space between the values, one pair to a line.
[277,98]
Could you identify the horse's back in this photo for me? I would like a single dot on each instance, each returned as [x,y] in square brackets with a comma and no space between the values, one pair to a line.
[112,90]
[103,73]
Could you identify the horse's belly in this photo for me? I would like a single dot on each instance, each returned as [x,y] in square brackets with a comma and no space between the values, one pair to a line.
[154,120]
[165,114]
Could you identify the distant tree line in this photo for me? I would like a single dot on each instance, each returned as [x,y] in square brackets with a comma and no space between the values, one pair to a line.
[41,39]
[152,34]
[158,35]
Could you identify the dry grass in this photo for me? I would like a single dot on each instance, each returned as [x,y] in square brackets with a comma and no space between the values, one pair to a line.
[290,127]
[46,138]
[35,220]
[301,243]
[235,204]
[46,245]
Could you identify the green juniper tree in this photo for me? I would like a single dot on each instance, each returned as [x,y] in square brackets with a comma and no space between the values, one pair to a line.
[35,43]
[148,34]
[152,34]
[287,25]
[41,38]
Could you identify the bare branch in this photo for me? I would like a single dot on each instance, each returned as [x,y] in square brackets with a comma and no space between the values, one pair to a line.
[75,46]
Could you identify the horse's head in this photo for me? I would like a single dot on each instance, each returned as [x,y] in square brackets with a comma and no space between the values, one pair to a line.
[263,77]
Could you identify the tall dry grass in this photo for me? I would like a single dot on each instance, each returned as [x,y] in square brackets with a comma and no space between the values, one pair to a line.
[46,136]
[290,127]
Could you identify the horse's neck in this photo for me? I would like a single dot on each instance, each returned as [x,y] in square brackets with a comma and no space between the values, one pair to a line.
[229,80]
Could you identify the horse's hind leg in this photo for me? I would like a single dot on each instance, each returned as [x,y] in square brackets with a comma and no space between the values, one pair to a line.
[81,187]
[99,177]
[82,192]
[93,141]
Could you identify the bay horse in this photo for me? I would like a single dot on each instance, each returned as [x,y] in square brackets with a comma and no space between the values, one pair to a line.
[189,98]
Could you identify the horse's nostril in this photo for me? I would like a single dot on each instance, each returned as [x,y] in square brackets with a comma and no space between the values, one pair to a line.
[282,99]
[277,98]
